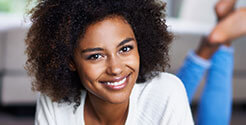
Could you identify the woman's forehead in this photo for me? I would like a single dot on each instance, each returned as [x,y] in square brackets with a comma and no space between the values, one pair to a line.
[108,31]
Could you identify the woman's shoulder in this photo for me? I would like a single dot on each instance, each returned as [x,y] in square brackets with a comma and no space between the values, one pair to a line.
[167,77]
[163,98]
[166,82]
[46,102]
[49,111]
[163,83]
[45,106]
[160,88]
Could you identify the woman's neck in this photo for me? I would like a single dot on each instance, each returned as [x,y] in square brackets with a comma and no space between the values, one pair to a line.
[99,111]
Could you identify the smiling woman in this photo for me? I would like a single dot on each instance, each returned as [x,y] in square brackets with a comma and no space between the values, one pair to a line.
[86,57]
[107,60]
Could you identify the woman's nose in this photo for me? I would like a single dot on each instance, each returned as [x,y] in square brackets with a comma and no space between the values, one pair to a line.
[115,66]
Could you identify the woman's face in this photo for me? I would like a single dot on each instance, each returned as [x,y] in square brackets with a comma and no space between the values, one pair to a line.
[107,60]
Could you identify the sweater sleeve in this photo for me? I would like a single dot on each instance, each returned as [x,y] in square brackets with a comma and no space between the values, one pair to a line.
[192,71]
[44,109]
[180,105]
[216,100]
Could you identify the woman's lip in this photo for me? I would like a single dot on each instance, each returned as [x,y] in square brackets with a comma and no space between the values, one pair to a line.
[115,79]
[117,87]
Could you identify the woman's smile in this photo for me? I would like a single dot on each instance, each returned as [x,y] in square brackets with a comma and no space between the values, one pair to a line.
[116,83]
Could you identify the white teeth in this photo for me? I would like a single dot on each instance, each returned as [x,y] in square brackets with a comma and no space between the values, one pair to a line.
[116,83]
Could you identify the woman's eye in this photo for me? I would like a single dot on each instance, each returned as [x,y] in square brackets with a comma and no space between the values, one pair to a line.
[94,57]
[126,49]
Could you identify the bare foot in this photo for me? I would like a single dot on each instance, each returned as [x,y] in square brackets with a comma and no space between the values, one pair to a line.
[230,28]
[206,49]
[224,7]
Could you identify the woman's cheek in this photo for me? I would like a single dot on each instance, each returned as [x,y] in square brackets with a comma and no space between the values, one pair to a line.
[134,61]
[92,71]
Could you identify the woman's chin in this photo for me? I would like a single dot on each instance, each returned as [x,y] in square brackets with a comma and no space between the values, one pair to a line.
[118,99]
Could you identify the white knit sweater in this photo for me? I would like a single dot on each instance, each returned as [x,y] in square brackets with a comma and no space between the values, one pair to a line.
[162,101]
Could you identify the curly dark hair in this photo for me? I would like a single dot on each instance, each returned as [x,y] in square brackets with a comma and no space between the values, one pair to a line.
[57,26]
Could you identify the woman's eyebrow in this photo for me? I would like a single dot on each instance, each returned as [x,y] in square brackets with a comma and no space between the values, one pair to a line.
[101,49]
[91,50]
[125,41]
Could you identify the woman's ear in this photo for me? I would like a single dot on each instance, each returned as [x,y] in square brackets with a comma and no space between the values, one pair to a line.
[72,66]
